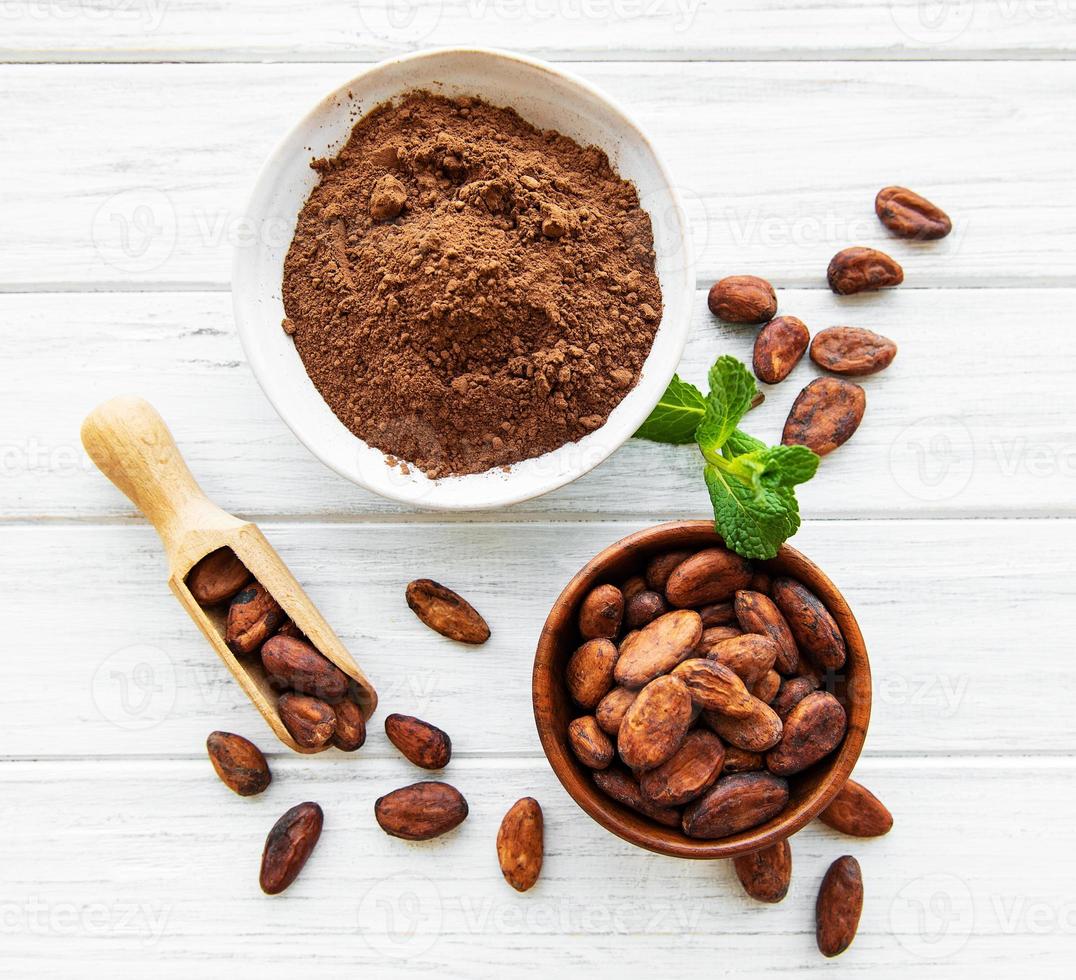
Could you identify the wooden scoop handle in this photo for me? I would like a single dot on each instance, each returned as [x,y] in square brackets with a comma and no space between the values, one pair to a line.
[131,445]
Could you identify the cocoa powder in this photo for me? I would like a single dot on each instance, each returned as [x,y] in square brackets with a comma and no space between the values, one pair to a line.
[467,291]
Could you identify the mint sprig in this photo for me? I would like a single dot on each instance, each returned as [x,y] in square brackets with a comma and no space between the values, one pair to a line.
[751,484]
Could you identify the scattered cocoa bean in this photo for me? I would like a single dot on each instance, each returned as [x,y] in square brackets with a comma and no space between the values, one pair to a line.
[742,299]
[908,215]
[766,874]
[446,612]
[856,270]
[421,743]
[734,804]
[520,844]
[779,347]
[852,351]
[590,744]
[291,663]
[589,673]
[310,721]
[421,811]
[253,617]
[239,763]
[825,415]
[601,613]
[289,845]
[839,905]
[856,811]
[217,577]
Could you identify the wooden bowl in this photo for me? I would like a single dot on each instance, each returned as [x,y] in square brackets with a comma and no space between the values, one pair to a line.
[810,791]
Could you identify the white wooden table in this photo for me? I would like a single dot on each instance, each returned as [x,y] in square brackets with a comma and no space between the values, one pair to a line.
[131,133]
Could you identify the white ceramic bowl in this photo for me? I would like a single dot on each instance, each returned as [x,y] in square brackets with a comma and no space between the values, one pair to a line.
[546,97]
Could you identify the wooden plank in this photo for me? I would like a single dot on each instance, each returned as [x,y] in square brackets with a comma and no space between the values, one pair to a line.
[336,30]
[159,874]
[778,164]
[947,432]
[947,607]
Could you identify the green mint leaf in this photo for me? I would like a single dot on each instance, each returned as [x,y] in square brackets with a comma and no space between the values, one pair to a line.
[740,443]
[788,465]
[676,417]
[732,389]
[754,522]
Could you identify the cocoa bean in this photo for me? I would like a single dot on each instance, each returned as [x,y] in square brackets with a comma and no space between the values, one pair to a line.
[766,689]
[625,790]
[217,577]
[520,844]
[852,351]
[749,655]
[708,576]
[612,708]
[589,674]
[766,874]
[660,567]
[253,617]
[717,614]
[856,270]
[239,763]
[421,743]
[644,608]
[779,347]
[856,811]
[446,612]
[714,635]
[740,760]
[291,663]
[633,586]
[814,629]
[655,724]
[734,804]
[908,215]
[756,613]
[742,299]
[311,721]
[350,731]
[813,729]
[589,743]
[825,415]
[691,770]
[715,687]
[792,691]
[839,905]
[288,846]
[759,731]
[601,613]
[421,811]
[657,647]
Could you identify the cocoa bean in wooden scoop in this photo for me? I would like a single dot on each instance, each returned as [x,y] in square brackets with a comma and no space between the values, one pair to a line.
[217,577]
[446,612]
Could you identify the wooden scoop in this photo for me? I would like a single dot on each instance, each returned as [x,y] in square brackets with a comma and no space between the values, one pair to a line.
[132,446]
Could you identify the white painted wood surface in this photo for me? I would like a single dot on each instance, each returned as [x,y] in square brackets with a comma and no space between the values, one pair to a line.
[948,521]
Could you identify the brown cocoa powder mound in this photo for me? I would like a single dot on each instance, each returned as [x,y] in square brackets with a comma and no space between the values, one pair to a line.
[467,291]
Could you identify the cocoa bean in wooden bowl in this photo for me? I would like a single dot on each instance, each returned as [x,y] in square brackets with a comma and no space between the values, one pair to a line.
[719,660]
